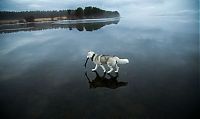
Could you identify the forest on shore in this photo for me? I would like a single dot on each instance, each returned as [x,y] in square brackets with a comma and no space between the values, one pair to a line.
[38,16]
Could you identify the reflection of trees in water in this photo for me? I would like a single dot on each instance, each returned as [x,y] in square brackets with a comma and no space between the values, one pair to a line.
[50,25]
[93,26]
[80,27]
[31,25]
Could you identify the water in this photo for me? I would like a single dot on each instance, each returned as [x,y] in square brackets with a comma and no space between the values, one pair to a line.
[42,74]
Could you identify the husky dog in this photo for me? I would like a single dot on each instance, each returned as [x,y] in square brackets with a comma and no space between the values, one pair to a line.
[111,61]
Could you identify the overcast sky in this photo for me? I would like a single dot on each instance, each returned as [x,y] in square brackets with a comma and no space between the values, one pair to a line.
[136,7]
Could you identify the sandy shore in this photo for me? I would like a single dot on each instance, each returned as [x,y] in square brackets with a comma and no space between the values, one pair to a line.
[35,20]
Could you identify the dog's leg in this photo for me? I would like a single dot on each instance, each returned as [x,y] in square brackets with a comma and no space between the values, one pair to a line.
[117,68]
[104,70]
[111,69]
[95,67]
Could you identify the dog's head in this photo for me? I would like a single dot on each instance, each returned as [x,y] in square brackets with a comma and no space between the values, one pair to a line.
[90,54]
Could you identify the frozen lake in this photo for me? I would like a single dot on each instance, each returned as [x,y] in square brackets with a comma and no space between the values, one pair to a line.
[42,74]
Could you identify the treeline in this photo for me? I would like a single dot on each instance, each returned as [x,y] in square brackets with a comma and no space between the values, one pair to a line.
[7,15]
[79,13]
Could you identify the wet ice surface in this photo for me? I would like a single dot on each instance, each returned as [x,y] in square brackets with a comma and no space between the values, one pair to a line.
[42,73]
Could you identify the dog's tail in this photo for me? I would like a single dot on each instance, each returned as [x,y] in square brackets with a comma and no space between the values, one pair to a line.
[122,61]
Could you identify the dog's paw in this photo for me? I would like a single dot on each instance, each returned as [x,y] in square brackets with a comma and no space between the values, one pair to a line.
[116,71]
[93,69]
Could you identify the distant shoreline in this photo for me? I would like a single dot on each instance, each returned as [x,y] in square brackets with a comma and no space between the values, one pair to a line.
[26,17]
[10,22]
[41,20]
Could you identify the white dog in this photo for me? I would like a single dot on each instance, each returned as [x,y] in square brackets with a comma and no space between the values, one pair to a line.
[111,61]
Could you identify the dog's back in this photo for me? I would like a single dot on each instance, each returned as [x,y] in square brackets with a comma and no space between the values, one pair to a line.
[104,59]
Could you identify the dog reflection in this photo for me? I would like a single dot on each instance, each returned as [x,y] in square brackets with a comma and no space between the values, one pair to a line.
[103,81]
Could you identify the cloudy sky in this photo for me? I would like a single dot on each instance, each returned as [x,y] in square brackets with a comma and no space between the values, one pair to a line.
[136,7]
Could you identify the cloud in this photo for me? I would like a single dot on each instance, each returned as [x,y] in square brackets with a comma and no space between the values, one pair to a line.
[180,13]
[35,6]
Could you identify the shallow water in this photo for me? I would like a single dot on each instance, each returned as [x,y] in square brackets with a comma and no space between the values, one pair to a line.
[42,74]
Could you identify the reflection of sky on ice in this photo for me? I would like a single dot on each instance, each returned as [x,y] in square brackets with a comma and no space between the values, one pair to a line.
[45,69]
[138,39]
